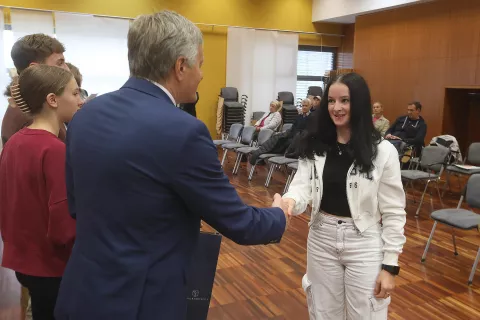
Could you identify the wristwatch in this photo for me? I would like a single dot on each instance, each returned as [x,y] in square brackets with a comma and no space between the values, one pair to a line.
[393,270]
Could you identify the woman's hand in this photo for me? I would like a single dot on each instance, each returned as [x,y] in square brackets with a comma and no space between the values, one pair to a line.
[384,285]
[289,204]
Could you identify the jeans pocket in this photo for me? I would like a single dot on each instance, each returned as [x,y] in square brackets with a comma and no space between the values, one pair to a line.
[379,308]
[307,286]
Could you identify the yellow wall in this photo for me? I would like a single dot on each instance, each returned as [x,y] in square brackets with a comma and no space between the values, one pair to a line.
[274,14]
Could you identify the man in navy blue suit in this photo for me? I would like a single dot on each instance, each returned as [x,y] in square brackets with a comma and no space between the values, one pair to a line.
[141,174]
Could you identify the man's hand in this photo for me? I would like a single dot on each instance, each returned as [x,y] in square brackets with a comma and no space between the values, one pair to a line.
[278,202]
[384,285]
[388,136]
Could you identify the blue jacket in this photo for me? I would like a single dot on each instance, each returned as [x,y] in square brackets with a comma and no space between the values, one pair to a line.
[141,174]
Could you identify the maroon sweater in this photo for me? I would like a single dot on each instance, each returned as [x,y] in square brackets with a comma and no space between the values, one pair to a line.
[36,227]
[14,120]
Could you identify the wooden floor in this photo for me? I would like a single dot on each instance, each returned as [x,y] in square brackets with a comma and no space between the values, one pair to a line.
[264,282]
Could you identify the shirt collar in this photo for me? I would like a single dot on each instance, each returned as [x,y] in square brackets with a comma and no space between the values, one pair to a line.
[165,90]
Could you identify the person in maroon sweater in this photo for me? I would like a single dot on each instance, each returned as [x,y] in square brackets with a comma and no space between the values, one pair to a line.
[37,230]
[30,50]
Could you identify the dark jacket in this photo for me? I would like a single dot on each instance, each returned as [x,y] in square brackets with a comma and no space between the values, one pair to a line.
[413,132]
[141,174]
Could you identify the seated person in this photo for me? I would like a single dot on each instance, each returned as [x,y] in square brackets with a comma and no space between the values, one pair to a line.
[410,129]
[315,103]
[271,120]
[379,121]
[280,142]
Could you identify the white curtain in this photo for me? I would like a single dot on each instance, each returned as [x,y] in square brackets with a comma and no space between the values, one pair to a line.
[25,22]
[260,64]
[98,47]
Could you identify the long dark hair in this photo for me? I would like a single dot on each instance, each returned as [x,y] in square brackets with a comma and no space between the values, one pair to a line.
[321,132]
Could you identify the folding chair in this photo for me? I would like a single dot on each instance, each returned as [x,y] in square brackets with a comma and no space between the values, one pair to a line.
[245,141]
[233,135]
[274,163]
[460,218]
[472,157]
[263,136]
[433,160]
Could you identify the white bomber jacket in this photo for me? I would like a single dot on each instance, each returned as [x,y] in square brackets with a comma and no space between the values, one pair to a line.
[372,197]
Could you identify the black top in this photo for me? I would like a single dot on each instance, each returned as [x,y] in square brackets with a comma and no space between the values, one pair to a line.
[337,164]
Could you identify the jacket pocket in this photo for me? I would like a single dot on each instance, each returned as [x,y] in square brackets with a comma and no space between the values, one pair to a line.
[307,287]
[379,308]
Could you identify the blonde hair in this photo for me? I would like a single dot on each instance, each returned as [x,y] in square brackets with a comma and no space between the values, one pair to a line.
[276,103]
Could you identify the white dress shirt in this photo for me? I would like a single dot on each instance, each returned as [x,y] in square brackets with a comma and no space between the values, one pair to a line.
[165,90]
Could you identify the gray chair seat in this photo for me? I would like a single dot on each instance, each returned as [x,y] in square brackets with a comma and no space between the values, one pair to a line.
[458,218]
[281,160]
[269,155]
[231,146]
[221,142]
[462,171]
[293,165]
[246,150]
[417,175]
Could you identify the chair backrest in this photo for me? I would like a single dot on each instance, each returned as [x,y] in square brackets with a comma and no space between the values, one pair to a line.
[473,155]
[257,115]
[472,195]
[247,135]
[229,93]
[286,97]
[264,135]
[434,157]
[287,126]
[235,131]
[315,91]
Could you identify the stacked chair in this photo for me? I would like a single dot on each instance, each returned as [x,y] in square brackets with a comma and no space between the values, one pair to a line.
[460,218]
[289,111]
[233,110]
[315,91]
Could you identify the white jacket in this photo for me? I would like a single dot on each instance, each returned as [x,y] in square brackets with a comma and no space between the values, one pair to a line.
[272,121]
[374,197]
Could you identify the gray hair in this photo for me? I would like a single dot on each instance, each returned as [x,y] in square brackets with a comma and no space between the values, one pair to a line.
[307,100]
[156,41]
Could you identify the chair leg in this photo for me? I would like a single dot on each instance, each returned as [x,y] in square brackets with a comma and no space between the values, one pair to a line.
[252,171]
[421,199]
[428,242]
[237,163]
[287,184]
[438,191]
[447,183]
[454,243]
[269,176]
[224,156]
[474,268]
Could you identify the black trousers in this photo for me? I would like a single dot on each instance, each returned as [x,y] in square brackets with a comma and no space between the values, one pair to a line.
[43,294]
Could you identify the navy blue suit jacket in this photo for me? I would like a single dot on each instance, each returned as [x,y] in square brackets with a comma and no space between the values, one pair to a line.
[141,174]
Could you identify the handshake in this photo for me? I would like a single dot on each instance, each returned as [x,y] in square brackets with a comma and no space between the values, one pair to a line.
[286,205]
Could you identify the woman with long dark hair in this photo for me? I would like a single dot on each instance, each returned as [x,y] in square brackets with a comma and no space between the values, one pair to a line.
[351,178]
